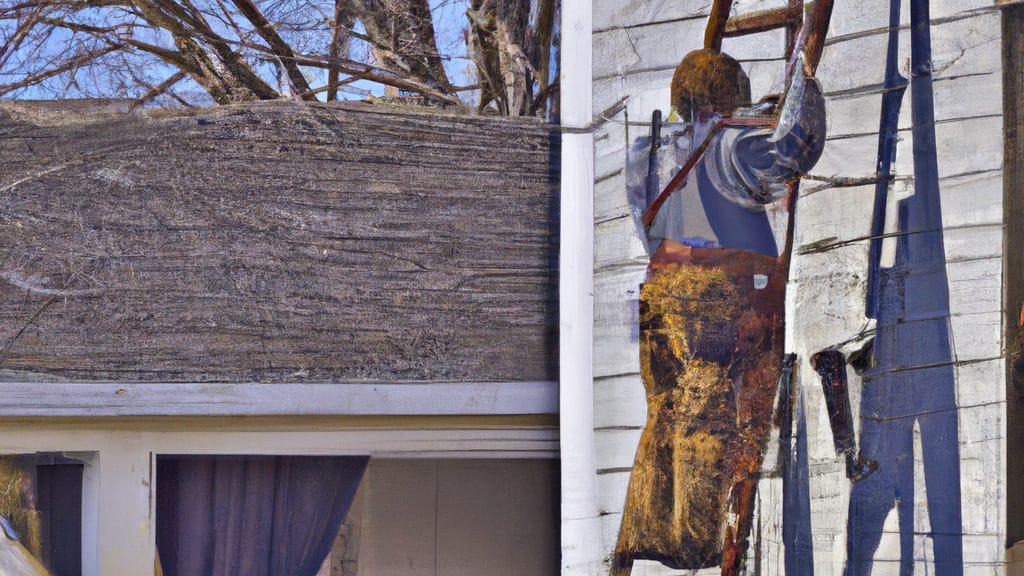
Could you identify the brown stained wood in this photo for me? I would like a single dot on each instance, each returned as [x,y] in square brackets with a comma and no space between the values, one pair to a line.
[1013,266]
[277,242]
[763,21]
[717,21]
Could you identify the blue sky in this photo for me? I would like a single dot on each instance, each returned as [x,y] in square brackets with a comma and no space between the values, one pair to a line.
[449,22]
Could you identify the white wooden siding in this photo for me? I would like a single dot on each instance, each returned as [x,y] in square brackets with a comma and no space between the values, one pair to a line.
[637,44]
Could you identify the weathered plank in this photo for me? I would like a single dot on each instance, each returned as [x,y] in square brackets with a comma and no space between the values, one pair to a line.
[619,401]
[963,44]
[279,242]
[1013,269]
[616,317]
[663,45]
[857,113]
[639,13]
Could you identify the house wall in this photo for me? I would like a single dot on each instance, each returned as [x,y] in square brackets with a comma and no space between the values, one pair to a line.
[458,518]
[118,527]
[637,44]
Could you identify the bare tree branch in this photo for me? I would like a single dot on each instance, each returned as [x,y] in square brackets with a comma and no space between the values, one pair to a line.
[344,20]
[238,50]
[67,66]
[159,89]
[279,47]
[380,75]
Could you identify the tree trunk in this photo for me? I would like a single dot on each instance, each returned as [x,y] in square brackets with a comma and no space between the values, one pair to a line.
[402,36]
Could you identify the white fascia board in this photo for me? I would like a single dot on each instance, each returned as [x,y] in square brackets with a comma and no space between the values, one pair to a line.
[62,399]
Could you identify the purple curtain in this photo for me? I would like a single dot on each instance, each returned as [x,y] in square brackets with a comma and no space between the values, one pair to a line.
[251,515]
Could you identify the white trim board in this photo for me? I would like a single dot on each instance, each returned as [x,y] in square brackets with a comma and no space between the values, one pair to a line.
[48,399]
[444,442]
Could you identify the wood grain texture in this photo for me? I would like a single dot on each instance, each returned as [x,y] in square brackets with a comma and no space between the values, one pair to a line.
[278,242]
[1013,267]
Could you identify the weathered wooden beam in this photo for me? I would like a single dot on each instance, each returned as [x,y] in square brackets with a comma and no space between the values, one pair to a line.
[1013,266]
[278,242]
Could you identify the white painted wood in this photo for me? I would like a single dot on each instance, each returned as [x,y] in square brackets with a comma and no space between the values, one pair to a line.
[625,13]
[973,199]
[629,13]
[972,226]
[354,399]
[618,447]
[827,289]
[610,534]
[612,490]
[973,242]
[580,528]
[608,91]
[981,441]
[118,534]
[871,16]
[619,401]
[853,157]
[969,393]
[609,197]
[126,533]
[852,114]
[617,242]
[975,286]
[616,335]
[242,436]
[610,140]
[857,18]
[828,216]
[975,338]
[660,46]
[965,146]
[968,45]
[961,8]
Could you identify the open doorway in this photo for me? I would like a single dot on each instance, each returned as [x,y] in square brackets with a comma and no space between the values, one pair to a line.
[41,501]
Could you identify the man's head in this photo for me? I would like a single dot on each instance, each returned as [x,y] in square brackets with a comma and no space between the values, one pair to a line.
[709,81]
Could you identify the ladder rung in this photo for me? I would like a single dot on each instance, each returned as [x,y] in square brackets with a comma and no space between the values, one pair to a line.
[763,21]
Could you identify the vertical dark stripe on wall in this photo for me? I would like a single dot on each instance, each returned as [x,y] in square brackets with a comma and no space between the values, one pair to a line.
[1013,265]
